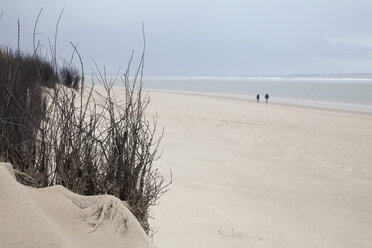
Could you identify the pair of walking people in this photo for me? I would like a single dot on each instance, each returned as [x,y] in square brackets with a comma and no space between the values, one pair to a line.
[266,97]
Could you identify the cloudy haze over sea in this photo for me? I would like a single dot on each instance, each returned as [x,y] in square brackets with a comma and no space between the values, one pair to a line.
[219,38]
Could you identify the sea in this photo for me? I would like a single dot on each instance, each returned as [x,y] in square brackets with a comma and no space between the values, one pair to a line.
[345,92]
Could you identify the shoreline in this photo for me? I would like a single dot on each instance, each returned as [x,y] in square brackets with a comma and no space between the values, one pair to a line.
[293,103]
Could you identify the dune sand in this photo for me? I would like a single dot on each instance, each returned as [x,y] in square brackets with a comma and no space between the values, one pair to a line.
[262,175]
[56,217]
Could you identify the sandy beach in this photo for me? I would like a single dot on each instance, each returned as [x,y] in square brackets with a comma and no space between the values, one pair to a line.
[87,161]
[245,174]
[262,175]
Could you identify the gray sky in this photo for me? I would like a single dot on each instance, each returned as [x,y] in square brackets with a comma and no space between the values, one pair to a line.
[203,37]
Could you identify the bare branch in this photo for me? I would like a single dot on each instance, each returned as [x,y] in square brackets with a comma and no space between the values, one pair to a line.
[82,67]
[19,36]
[55,39]
[34,33]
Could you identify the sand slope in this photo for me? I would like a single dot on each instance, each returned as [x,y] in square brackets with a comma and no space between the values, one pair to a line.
[263,175]
[56,217]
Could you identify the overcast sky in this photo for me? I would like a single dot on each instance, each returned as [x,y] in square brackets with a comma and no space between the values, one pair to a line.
[203,37]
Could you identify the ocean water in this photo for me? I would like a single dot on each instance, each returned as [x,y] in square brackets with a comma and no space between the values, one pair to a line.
[347,93]
[330,92]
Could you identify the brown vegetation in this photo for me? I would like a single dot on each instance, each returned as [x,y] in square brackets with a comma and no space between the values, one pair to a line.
[91,144]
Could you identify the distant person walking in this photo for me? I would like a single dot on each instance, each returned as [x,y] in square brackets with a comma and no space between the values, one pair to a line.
[267,97]
[258,97]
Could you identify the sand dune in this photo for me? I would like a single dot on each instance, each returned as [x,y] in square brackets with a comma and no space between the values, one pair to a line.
[56,217]
[263,175]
